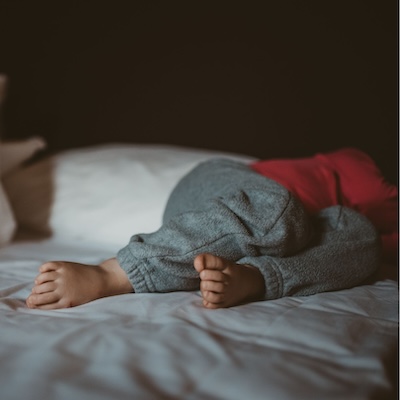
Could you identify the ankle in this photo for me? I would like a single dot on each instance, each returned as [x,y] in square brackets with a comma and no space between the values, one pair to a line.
[255,282]
[114,279]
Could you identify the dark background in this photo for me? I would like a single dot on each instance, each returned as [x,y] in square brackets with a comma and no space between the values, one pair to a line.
[283,78]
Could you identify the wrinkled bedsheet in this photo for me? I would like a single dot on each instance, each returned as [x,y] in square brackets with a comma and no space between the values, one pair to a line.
[338,345]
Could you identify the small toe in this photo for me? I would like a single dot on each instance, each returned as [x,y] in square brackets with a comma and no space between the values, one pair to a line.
[37,300]
[213,297]
[211,286]
[213,275]
[209,305]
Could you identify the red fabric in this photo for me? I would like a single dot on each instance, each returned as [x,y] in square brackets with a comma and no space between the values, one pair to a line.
[347,177]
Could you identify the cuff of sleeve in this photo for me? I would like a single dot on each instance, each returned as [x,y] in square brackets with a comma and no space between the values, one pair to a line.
[136,271]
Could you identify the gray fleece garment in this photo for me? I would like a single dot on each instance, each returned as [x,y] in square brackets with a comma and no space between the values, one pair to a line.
[225,208]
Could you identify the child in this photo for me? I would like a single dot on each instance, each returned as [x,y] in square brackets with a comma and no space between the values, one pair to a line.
[236,235]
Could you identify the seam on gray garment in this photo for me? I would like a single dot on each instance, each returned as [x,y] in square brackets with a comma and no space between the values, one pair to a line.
[339,217]
[142,271]
[289,200]
[278,276]
[147,277]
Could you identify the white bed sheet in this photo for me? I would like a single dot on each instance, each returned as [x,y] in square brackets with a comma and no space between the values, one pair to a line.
[337,345]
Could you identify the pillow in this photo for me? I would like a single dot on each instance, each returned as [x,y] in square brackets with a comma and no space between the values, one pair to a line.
[13,154]
[102,194]
[7,221]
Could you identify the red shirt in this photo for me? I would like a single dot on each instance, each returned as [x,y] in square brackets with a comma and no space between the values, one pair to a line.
[347,177]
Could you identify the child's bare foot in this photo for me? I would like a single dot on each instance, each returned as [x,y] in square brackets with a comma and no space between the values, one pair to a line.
[66,284]
[226,284]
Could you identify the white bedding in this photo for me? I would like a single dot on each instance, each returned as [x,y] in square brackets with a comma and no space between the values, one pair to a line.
[335,345]
[339,345]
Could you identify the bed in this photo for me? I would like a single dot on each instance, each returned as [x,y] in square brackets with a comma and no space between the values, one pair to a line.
[334,345]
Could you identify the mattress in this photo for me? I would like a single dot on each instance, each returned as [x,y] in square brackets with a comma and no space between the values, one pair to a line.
[337,345]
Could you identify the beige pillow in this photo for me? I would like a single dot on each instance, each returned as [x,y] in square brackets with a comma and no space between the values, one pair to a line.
[12,155]
[8,224]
